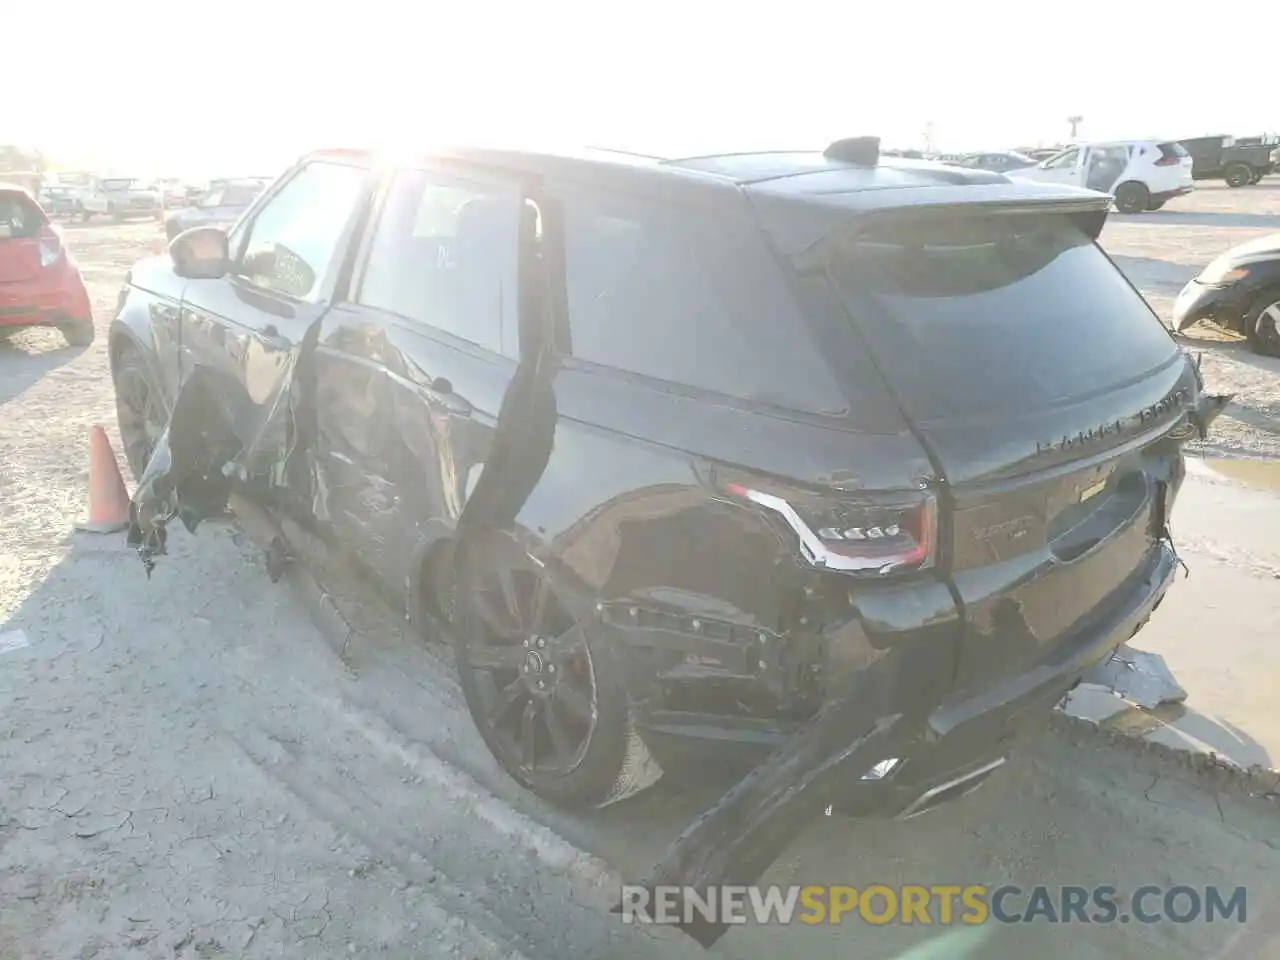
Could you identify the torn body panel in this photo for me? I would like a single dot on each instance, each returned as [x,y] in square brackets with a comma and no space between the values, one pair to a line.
[217,439]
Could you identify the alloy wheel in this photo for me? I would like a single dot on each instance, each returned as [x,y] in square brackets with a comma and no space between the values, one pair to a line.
[1268,328]
[533,671]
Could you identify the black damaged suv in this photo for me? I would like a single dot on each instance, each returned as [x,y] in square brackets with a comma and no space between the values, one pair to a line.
[687,444]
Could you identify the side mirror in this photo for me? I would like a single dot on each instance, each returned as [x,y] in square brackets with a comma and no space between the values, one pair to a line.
[201,253]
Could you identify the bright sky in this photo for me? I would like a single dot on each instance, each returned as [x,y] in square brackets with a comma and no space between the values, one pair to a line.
[150,88]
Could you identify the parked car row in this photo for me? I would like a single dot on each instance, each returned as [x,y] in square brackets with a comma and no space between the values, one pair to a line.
[221,205]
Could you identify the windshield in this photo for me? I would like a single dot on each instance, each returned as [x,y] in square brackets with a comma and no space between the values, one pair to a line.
[970,315]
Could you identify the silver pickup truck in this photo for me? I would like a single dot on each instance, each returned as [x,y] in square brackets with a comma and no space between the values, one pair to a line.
[119,198]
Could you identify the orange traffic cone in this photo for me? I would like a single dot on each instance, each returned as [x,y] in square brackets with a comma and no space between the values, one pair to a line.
[108,498]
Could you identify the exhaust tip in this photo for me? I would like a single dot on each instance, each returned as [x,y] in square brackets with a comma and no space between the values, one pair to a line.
[953,789]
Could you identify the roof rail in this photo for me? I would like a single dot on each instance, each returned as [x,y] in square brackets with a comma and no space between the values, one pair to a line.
[859,151]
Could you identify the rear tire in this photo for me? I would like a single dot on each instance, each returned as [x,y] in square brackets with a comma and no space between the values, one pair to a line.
[77,333]
[1262,323]
[595,756]
[1155,205]
[1237,175]
[1132,197]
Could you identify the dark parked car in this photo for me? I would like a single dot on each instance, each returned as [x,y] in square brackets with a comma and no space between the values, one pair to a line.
[1222,157]
[1241,291]
[223,205]
[674,450]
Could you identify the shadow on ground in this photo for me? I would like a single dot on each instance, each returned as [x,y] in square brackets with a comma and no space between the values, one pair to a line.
[27,355]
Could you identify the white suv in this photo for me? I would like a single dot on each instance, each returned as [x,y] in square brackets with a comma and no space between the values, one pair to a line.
[1140,174]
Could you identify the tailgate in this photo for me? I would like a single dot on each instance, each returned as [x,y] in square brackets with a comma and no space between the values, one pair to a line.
[1042,547]
[1048,395]
[19,258]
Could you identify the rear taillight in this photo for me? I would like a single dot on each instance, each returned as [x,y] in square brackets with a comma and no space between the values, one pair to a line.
[50,247]
[868,535]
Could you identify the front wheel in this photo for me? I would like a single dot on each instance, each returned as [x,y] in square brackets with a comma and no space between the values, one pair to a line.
[139,410]
[545,688]
[1262,323]
[1132,197]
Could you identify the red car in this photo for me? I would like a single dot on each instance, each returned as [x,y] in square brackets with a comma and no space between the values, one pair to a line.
[40,285]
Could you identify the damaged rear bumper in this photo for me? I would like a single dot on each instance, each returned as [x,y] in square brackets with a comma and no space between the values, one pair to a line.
[943,749]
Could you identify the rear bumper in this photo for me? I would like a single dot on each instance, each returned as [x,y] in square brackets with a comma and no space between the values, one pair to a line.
[45,303]
[969,739]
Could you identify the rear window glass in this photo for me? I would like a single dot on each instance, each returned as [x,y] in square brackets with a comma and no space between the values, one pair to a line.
[992,314]
[679,295]
[1173,149]
[19,216]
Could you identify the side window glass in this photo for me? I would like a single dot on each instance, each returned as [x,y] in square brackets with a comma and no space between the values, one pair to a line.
[1064,160]
[444,254]
[293,239]
[680,295]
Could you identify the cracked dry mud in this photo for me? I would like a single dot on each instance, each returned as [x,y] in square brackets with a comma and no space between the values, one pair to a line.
[188,770]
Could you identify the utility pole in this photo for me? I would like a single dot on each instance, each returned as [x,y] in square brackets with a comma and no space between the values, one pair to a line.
[928,137]
[1075,125]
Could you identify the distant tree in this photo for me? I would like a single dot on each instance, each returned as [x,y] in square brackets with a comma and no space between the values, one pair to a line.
[14,159]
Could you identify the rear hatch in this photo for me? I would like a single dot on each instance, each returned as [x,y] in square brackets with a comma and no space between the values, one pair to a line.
[1045,390]
[22,223]
[1175,155]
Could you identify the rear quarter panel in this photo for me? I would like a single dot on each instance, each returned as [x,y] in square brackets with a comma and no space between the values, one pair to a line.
[626,504]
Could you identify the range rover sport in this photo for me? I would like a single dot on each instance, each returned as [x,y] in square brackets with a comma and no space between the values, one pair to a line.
[717,433]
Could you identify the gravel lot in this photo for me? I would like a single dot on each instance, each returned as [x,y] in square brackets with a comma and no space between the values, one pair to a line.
[188,770]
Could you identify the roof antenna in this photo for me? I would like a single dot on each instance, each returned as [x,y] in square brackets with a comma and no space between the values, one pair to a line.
[859,151]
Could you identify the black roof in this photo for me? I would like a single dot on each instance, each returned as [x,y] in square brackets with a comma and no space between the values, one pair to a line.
[773,178]
[738,169]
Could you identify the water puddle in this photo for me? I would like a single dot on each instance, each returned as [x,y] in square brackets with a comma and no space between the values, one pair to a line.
[1264,474]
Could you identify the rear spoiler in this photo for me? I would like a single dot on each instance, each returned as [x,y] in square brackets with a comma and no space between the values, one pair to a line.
[797,227]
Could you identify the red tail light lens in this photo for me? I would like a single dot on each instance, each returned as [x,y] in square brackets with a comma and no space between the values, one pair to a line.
[863,536]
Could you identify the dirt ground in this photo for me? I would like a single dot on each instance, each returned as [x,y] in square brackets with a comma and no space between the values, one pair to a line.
[188,770]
